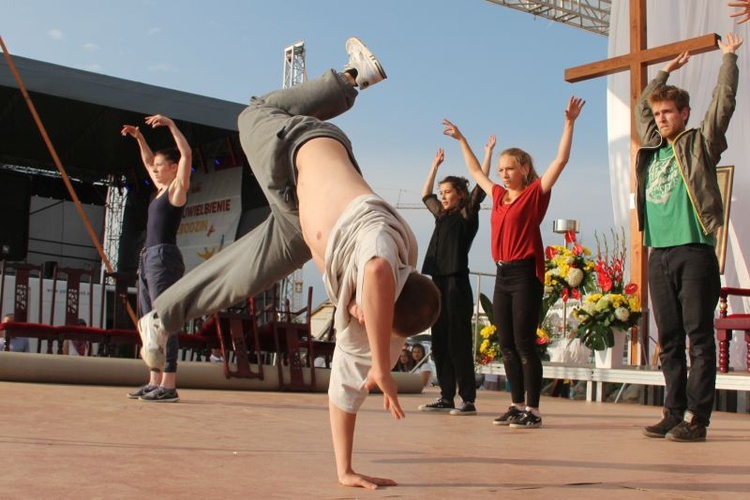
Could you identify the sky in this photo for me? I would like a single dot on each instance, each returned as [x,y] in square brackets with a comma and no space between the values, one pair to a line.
[487,68]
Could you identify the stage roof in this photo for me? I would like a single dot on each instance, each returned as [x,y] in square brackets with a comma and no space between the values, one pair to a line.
[83,113]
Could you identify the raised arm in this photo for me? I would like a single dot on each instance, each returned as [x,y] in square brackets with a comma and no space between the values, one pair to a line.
[487,163]
[744,13]
[179,188]
[429,185]
[470,158]
[550,176]
[147,156]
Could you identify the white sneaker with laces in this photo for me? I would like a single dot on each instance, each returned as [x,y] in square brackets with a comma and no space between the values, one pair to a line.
[154,340]
[369,70]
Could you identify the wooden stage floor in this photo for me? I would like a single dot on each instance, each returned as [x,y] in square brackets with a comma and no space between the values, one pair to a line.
[87,442]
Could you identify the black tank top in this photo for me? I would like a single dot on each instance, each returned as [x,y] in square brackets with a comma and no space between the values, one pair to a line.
[163,221]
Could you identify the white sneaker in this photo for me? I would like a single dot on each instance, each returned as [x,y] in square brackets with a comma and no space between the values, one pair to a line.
[369,70]
[154,340]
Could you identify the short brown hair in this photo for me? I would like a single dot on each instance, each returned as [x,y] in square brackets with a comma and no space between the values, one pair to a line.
[677,95]
[417,306]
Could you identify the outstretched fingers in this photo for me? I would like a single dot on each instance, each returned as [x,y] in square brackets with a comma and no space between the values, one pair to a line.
[451,130]
[575,105]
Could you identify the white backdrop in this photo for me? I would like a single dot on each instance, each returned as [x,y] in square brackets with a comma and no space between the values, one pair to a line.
[671,21]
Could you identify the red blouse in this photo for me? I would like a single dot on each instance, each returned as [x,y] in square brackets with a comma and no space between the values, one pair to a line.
[515,226]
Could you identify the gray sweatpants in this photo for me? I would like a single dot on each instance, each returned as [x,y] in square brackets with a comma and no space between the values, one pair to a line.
[272,129]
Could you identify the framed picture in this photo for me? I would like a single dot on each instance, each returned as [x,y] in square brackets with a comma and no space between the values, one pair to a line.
[725,176]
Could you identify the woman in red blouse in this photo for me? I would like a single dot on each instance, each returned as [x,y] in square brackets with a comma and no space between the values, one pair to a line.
[518,208]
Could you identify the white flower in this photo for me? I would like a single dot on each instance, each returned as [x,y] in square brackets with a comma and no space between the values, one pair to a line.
[575,277]
[589,308]
[622,313]
[548,290]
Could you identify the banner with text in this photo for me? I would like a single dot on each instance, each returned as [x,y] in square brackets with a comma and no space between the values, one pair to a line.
[210,218]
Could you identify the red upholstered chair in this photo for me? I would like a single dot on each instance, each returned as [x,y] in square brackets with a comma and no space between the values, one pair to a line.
[25,323]
[726,323]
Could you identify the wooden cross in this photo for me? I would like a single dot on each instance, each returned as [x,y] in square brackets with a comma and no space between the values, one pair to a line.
[637,62]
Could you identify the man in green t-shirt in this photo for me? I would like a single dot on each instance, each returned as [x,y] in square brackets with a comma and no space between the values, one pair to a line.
[679,211]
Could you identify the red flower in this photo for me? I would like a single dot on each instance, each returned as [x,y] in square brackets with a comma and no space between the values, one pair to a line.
[576,294]
[631,288]
[570,236]
[577,249]
[605,282]
[564,295]
[549,253]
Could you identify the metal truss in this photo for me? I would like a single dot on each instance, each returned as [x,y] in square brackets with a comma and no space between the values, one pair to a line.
[588,15]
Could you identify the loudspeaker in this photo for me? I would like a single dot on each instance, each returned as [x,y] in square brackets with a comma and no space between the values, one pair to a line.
[15,200]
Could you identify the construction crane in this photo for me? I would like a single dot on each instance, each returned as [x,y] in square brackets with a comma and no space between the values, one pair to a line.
[291,287]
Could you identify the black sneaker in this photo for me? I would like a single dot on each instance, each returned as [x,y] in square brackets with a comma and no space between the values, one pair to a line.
[466,408]
[439,404]
[661,429]
[161,395]
[687,431]
[509,416]
[527,420]
[142,391]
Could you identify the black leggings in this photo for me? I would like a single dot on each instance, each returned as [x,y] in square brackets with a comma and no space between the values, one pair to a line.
[516,305]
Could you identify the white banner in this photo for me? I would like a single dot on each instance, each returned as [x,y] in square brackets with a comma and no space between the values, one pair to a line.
[210,218]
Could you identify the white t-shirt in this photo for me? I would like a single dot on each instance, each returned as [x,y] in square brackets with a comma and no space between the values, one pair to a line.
[368,228]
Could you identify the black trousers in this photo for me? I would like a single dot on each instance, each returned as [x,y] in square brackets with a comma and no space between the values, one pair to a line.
[452,340]
[684,285]
[516,305]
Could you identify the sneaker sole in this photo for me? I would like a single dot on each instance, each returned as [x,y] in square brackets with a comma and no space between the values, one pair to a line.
[354,41]
[436,410]
[522,426]
[498,423]
[171,400]
[653,434]
[151,352]
[462,413]
[680,440]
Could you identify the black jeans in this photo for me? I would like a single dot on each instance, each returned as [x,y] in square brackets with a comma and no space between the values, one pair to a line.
[684,282]
[452,339]
[516,305]
[160,267]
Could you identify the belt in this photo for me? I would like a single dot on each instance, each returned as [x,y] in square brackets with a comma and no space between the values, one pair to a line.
[509,264]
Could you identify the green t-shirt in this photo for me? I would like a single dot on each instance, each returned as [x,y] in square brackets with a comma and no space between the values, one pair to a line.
[670,217]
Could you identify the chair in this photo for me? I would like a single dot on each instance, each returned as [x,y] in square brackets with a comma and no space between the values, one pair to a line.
[236,330]
[77,281]
[21,326]
[726,323]
[114,316]
[290,338]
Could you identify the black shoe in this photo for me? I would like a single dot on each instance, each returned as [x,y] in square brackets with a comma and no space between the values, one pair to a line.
[527,420]
[509,416]
[466,408]
[142,391]
[161,395]
[661,429]
[687,431]
[439,404]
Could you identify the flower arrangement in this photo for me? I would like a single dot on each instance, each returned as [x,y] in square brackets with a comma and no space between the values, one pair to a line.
[600,313]
[568,272]
[615,305]
[489,347]
[610,267]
